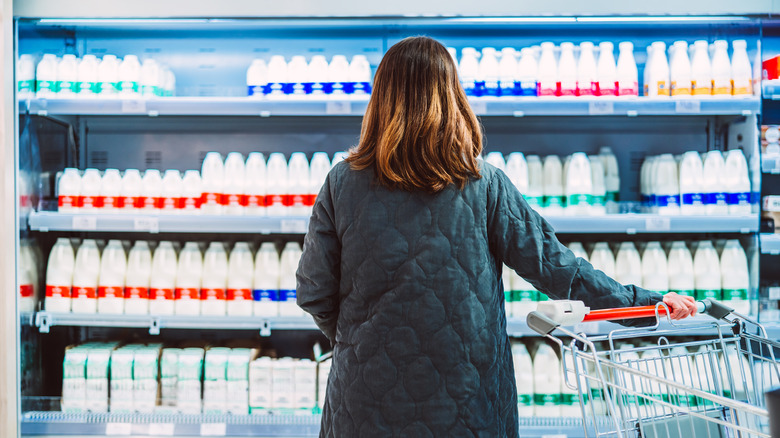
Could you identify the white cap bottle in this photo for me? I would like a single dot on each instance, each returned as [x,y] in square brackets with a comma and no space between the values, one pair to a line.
[234,186]
[469,70]
[706,268]
[46,76]
[579,185]
[163,279]
[667,186]
[298,183]
[547,76]
[507,69]
[701,70]
[691,184]
[338,74]
[527,73]
[265,294]
[88,76]
[277,184]
[611,177]
[171,194]
[191,193]
[67,76]
[110,188]
[25,77]
[658,77]
[318,173]
[241,266]
[69,191]
[553,186]
[214,286]
[547,382]
[291,255]
[680,70]
[737,182]
[151,190]
[524,379]
[150,78]
[59,277]
[721,69]
[139,272]
[277,75]
[741,73]
[212,179]
[497,160]
[628,265]
[598,206]
[189,273]
[257,78]
[627,74]
[360,75]
[255,184]
[317,75]
[607,70]
[715,198]
[655,276]
[603,259]
[735,277]
[488,75]
[90,190]
[129,76]
[535,195]
[517,171]
[85,277]
[297,73]
[587,71]
[111,282]
[680,269]
[567,70]
[130,191]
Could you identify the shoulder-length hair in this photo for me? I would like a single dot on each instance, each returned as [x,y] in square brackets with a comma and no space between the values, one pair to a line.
[419,132]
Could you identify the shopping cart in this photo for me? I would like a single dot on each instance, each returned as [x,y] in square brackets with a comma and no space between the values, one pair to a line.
[673,386]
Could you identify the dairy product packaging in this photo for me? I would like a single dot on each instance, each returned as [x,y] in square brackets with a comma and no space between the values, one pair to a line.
[261,374]
[169,379]
[145,378]
[215,381]
[122,379]
[189,386]
[238,379]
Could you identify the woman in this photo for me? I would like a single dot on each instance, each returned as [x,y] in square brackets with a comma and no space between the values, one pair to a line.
[401,266]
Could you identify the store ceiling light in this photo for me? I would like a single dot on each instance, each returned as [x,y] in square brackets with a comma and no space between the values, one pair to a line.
[519,20]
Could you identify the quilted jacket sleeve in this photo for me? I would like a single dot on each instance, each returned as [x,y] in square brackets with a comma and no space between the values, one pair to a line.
[525,242]
[319,271]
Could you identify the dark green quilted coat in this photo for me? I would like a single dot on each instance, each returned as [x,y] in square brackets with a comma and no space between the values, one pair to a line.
[407,286]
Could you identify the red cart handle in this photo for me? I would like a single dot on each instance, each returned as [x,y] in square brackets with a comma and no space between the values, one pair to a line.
[624,313]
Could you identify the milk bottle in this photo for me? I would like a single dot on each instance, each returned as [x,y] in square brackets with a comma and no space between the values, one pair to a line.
[469,70]
[603,259]
[547,75]
[256,78]
[46,77]
[129,76]
[90,191]
[706,268]
[524,379]
[85,278]
[277,75]
[151,190]
[291,255]
[88,76]
[680,268]
[579,185]
[547,382]
[507,70]
[517,171]
[599,199]
[277,185]
[297,71]
[578,250]
[215,270]
[567,71]
[163,280]
[553,186]
[69,191]
[645,183]
[524,296]
[715,197]
[59,277]
[111,281]
[171,194]
[317,75]
[130,191]
[188,279]
[627,75]
[212,179]
[721,69]
[360,75]
[25,77]
[655,276]
[657,83]
[535,195]
[239,283]
[741,73]
[192,190]
[67,76]
[265,295]
[487,75]
[255,184]
[139,271]
[497,160]
[735,277]
[667,187]
[737,182]
[611,176]
[150,78]
[298,185]
[234,199]
[320,166]
[338,75]
[108,76]
[691,184]
[701,70]
[587,71]
[337,158]
[607,71]
[628,265]
[527,71]
[28,278]
[680,70]
[110,187]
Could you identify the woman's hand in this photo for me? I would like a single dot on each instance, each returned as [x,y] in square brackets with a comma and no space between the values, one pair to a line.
[680,306]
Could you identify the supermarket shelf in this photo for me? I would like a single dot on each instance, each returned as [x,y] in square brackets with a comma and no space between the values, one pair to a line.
[356,106]
[771,89]
[615,223]
[770,244]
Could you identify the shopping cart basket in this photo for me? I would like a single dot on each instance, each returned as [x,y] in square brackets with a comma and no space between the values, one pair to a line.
[673,386]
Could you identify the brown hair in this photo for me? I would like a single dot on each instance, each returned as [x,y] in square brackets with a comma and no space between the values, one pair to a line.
[419,132]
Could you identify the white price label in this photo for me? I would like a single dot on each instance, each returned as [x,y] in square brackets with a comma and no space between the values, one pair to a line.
[146,223]
[479,107]
[293,226]
[213,429]
[601,108]
[134,106]
[161,429]
[772,203]
[687,106]
[658,224]
[84,223]
[119,429]
[774,293]
[338,107]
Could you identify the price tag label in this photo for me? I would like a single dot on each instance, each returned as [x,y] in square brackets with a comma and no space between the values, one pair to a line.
[161,429]
[134,106]
[601,108]
[147,224]
[658,224]
[774,293]
[338,107]
[293,226]
[84,223]
[119,429]
[772,203]
[479,107]
[687,106]
[213,429]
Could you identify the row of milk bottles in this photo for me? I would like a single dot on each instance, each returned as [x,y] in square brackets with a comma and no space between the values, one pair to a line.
[541,390]
[278,77]
[30,259]
[232,186]
[581,184]
[89,76]
[696,184]
[547,70]
[701,69]
[111,280]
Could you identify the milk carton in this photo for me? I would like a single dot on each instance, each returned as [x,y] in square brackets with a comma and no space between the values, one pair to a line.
[261,377]
[215,381]
[607,70]
[234,199]
[212,180]
[701,70]
[145,378]
[239,284]
[282,381]
[255,184]
[305,375]
[74,379]
[587,71]
[735,277]
[567,70]
[98,360]
[139,271]
[189,387]
[214,284]
[265,295]
[163,279]
[680,268]
[188,280]
[59,276]
[291,255]
[547,382]
[111,281]
[85,278]
[628,265]
[238,380]
[655,276]
[169,377]
[323,371]
[122,379]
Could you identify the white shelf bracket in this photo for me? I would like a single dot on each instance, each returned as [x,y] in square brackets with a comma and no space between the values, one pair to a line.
[265,329]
